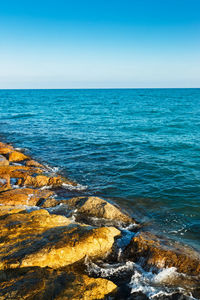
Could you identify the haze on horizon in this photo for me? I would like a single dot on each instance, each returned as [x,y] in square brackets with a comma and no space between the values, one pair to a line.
[99,44]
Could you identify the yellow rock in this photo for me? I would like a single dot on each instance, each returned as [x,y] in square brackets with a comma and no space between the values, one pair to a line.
[3,161]
[97,207]
[18,171]
[4,182]
[46,283]
[40,181]
[24,196]
[33,163]
[5,148]
[17,156]
[44,240]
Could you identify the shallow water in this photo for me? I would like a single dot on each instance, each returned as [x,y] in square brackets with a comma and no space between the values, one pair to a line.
[138,147]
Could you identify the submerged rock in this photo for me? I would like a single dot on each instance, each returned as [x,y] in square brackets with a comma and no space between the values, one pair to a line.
[99,208]
[3,161]
[17,156]
[46,283]
[153,251]
[24,196]
[41,239]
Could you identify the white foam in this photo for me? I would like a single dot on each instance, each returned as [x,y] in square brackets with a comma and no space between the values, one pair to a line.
[154,285]
[71,187]
[107,269]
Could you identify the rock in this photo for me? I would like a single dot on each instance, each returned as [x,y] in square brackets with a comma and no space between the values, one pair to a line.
[153,251]
[18,171]
[40,181]
[17,156]
[4,183]
[33,163]
[46,283]
[8,209]
[5,148]
[24,196]
[3,161]
[99,208]
[44,240]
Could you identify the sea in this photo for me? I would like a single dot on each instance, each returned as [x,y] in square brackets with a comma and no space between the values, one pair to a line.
[139,148]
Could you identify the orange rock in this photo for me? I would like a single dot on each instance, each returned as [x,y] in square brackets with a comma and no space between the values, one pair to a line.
[99,208]
[44,240]
[3,161]
[17,156]
[5,148]
[4,183]
[40,181]
[33,163]
[24,196]
[47,283]
[18,171]
[153,251]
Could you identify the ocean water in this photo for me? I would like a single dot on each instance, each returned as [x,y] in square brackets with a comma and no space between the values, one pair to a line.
[137,147]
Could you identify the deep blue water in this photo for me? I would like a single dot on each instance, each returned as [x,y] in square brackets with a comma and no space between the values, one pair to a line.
[139,147]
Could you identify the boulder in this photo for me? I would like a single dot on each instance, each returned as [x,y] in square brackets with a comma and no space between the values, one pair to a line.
[46,283]
[18,171]
[24,196]
[40,181]
[17,156]
[154,251]
[3,161]
[5,148]
[99,208]
[33,163]
[44,240]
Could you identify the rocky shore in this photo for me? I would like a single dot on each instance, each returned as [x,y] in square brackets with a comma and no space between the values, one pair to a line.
[79,248]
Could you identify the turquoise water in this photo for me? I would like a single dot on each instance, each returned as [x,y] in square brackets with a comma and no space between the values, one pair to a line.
[138,147]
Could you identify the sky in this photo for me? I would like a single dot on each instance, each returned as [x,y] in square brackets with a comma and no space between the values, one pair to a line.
[99,43]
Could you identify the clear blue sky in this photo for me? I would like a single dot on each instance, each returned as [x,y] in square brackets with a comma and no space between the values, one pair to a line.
[99,43]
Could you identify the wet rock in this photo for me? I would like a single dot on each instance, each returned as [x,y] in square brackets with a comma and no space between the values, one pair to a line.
[40,181]
[5,148]
[24,196]
[151,250]
[41,239]
[18,171]
[4,182]
[17,156]
[99,208]
[33,163]
[46,283]
[3,161]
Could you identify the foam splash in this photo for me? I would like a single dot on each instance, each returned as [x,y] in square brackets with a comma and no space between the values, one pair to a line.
[78,187]
[108,270]
[155,285]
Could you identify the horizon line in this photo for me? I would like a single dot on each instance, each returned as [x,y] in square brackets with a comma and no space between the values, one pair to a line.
[101,88]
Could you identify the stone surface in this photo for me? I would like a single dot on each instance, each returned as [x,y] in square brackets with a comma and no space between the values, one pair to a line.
[4,182]
[18,171]
[33,163]
[99,208]
[17,156]
[24,196]
[40,181]
[44,240]
[3,161]
[46,283]
[153,251]
[5,148]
